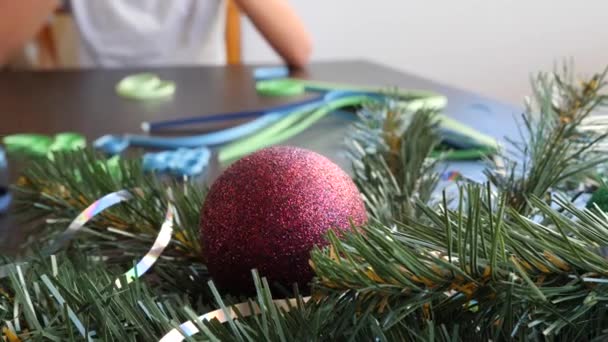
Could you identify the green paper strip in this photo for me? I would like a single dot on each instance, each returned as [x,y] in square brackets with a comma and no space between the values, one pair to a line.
[298,121]
[258,140]
[144,86]
[294,86]
[284,129]
[462,129]
[410,99]
[463,155]
[409,94]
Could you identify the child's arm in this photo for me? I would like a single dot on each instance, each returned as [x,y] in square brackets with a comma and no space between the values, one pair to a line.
[20,20]
[281,27]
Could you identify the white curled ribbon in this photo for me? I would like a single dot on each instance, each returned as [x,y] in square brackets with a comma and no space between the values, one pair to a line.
[162,241]
[188,328]
[86,215]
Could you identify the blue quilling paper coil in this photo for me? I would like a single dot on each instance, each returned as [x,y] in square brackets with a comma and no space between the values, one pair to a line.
[181,162]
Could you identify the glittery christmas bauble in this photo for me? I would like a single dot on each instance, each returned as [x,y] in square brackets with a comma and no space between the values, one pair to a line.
[268,210]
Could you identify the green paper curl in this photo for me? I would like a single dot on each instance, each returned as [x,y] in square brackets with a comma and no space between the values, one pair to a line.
[38,145]
[145,86]
[28,144]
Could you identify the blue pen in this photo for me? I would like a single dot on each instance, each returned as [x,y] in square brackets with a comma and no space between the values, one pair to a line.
[113,144]
[158,125]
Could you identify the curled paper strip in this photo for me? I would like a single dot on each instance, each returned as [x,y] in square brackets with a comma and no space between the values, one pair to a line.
[162,241]
[189,328]
[41,145]
[280,87]
[145,86]
[30,144]
[95,208]
[291,125]
[86,215]
[115,144]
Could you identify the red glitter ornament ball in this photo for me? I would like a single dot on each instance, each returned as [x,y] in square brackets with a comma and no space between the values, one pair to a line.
[268,210]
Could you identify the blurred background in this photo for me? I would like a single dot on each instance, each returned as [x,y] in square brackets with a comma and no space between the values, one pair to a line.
[489,47]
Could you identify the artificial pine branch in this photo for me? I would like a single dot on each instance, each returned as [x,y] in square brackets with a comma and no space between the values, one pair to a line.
[500,266]
[93,306]
[52,192]
[494,273]
[553,149]
[58,189]
[61,187]
[390,148]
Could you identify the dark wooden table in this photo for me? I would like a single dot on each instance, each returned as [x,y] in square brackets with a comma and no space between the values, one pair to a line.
[84,101]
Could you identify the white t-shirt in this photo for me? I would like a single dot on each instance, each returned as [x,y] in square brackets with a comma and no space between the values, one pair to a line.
[116,33]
